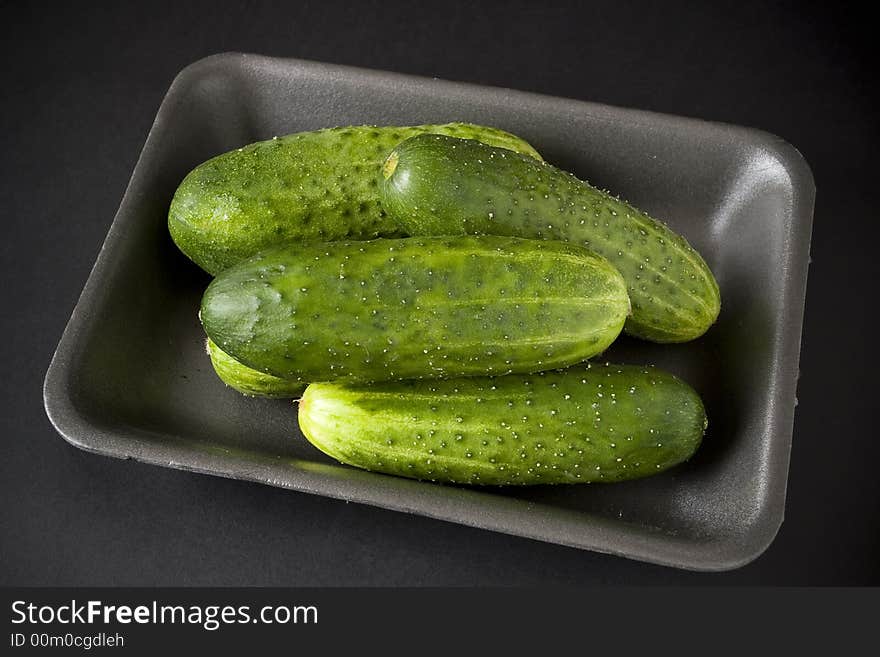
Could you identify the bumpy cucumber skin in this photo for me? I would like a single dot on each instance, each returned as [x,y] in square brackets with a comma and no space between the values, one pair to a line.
[317,185]
[248,381]
[437,185]
[412,308]
[589,423]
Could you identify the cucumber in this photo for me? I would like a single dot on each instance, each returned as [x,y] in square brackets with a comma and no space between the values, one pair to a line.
[249,381]
[307,186]
[593,423]
[414,308]
[438,185]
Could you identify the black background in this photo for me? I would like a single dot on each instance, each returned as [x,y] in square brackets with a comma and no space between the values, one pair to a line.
[80,87]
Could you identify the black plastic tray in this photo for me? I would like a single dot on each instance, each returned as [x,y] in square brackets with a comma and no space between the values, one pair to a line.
[130,377]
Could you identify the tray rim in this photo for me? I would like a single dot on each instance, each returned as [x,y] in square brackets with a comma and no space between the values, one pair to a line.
[662,549]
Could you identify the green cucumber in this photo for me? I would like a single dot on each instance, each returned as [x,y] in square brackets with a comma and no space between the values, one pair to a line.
[249,381]
[307,186]
[593,423]
[438,185]
[414,308]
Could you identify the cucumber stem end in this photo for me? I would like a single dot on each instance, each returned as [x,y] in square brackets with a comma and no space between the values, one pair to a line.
[390,165]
